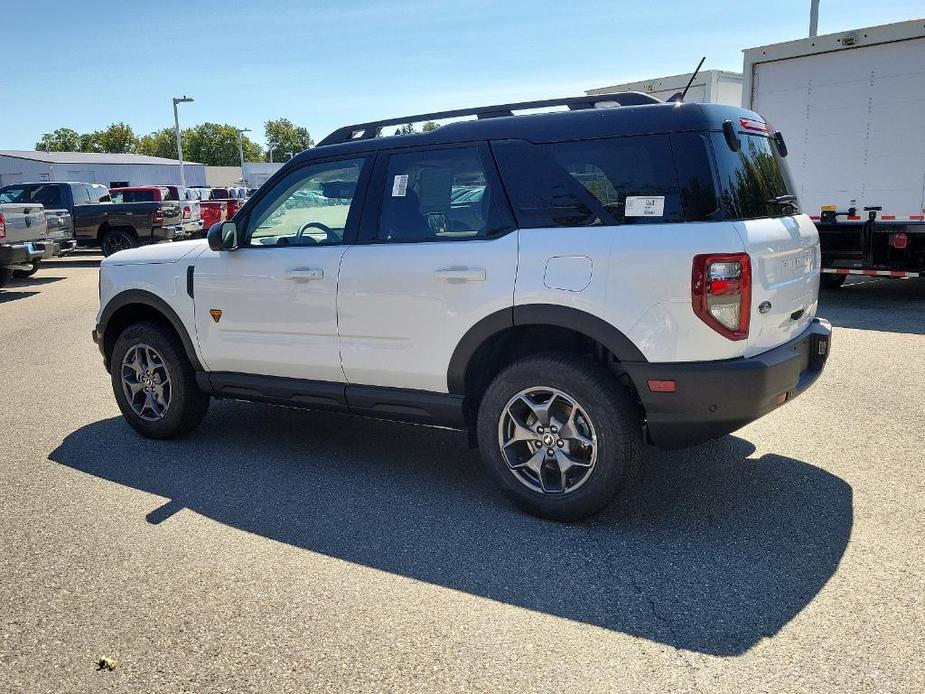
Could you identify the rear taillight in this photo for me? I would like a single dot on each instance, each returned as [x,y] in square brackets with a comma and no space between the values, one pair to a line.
[899,241]
[158,216]
[721,292]
[187,213]
[2,226]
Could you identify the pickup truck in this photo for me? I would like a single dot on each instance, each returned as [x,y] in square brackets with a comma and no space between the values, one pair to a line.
[97,221]
[191,221]
[23,232]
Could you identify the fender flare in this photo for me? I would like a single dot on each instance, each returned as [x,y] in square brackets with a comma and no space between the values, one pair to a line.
[536,314]
[141,296]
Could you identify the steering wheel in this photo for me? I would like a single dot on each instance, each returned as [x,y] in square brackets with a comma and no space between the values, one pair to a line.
[328,231]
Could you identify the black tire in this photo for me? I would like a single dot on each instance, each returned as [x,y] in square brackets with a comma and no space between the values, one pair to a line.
[5,275]
[116,240]
[27,273]
[187,404]
[609,407]
[829,281]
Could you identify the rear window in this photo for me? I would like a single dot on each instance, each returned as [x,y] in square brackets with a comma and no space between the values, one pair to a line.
[751,178]
[219,194]
[49,196]
[133,196]
[628,180]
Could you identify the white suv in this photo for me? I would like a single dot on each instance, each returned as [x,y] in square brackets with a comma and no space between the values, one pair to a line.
[566,286]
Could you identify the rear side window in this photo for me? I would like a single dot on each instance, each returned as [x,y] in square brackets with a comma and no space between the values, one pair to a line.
[751,178]
[440,195]
[81,194]
[628,180]
[119,196]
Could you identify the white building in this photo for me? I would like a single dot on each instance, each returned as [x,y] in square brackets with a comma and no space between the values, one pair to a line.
[709,87]
[112,170]
[256,174]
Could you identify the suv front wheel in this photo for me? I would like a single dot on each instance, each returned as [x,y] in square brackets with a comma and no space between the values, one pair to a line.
[154,382]
[559,435]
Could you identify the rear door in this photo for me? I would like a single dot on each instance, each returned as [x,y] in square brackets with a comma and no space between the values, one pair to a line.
[783,245]
[428,266]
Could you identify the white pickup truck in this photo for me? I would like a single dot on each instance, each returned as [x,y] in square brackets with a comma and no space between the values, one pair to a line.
[23,239]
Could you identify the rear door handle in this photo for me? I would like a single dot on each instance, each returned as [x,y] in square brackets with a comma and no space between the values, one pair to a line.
[461,274]
[304,274]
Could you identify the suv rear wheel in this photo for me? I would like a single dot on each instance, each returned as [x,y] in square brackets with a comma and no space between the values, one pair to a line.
[154,382]
[559,435]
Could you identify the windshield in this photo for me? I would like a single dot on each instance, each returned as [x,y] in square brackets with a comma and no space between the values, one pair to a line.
[752,178]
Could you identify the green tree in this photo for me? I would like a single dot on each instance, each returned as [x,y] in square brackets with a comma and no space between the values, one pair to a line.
[90,142]
[118,138]
[160,143]
[429,126]
[285,138]
[406,129]
[214,144]
[61,140]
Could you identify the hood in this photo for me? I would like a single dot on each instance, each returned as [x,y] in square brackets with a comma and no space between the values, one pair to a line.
[156,253]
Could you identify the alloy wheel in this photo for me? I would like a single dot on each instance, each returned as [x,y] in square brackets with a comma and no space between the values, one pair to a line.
[146,382]
[547,440]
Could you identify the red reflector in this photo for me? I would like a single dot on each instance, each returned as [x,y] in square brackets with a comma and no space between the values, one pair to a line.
[899,241]
[662,386]
[781,399]
[725,287]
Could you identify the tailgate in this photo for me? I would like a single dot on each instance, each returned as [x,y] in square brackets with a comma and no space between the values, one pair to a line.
[24,222]
[785,260]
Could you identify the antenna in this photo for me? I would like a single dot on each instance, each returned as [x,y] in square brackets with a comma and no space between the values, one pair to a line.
[679,97]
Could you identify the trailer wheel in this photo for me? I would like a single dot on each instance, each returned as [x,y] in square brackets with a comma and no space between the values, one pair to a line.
[828,281]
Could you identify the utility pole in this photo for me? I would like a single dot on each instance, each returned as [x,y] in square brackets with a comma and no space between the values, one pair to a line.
[241,132]
[813,17]
[176,124]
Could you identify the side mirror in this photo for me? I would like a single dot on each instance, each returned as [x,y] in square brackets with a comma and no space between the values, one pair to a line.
[223,236]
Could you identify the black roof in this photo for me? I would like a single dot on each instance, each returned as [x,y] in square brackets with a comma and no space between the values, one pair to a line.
[586,123]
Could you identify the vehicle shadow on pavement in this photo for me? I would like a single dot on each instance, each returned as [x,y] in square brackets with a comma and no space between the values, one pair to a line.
[887,305]
[712,551]
[12,295]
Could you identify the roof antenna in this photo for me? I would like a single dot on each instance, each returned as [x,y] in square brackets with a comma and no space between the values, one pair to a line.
[679,97]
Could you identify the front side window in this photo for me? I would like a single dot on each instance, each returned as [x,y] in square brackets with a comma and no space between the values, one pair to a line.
[310,207]
[628,180]
[98,193]
[439,195]
[752,178]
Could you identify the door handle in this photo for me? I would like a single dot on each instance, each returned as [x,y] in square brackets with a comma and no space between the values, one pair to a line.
[304,274]
[461,274]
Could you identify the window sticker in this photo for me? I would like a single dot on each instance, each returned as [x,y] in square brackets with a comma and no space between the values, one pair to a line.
[400,186]
[645,206]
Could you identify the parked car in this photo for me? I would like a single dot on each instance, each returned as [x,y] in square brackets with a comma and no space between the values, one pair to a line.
[213,211]
[97,221]
[60,226]
[23,234]
[621,279]
[191,223]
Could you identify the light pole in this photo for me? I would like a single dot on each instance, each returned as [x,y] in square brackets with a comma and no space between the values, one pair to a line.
[271,146]
[176,124]
[241,132]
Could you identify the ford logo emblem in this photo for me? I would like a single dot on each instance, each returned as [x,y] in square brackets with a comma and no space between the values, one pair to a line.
[764,307]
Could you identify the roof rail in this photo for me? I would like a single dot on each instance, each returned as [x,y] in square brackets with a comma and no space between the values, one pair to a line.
[367,131]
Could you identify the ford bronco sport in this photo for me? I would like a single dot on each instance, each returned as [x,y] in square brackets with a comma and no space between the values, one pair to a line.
[566,286]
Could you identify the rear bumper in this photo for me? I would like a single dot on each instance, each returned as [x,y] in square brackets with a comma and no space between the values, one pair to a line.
[717,397]
[19,254]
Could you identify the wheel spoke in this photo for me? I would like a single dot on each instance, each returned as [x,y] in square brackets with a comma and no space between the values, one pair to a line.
[519,434]
[146,382]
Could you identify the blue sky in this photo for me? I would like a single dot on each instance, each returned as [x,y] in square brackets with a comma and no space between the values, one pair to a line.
[85,63]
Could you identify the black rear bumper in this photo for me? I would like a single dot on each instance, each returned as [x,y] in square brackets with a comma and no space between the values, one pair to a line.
[715,398]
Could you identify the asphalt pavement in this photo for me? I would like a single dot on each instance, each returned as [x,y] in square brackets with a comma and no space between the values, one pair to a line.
[278,550]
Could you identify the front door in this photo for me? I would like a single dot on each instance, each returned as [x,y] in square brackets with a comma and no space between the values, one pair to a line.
[434,258]
[270,307]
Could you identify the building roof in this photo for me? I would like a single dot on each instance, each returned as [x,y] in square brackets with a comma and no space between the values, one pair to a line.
[89,158]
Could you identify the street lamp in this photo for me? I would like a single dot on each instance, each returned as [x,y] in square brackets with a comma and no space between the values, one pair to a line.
[176,124]
[271,146]
[241,132]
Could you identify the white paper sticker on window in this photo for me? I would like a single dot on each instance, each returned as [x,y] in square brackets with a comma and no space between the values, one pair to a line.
[400,186]
[645,205]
